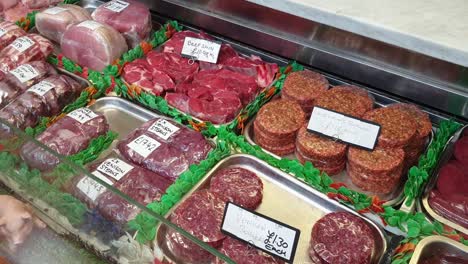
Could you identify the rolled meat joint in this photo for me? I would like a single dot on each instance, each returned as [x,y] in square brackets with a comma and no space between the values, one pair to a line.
[40,3]
[9,32]
[53,22]
[31,47]
[16,221]
[47,98]
[131,18]
[68,136]
[21,78]
[93,44]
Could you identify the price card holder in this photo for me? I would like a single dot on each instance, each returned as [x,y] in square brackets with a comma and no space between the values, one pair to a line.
[201,49]
[267,234]
[344,128]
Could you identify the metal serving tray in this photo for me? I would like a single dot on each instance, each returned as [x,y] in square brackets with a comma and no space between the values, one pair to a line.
[285,199]
[424,204]
[432,245]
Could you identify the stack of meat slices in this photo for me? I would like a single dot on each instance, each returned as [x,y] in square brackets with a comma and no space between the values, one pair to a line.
[304,87]
[326,154]
[346,99]
[277,124]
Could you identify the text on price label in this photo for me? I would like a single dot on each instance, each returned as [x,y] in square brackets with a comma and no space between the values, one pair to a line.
[22,44]
[163,129]
[54,10]
[115,168]
[92,188]
[269,235]
[201,49]
[344,128]
[2,31]
[25,73]
[82,115]
[41,88]
[144,145]
[117,6]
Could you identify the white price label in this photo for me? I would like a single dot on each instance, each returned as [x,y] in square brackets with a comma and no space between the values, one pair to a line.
[163,129]
[82,115]
[41,88]
[117,6]
[144,145]
[344,128]
[22,44]
[115,168]
[92,188]
[90,24]
[2,32]
[55,10]
[262,232]
[25,73]
[201,49]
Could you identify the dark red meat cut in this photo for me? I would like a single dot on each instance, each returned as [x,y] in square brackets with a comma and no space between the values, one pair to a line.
[342,238]
[178,68]
[243,253]
[461,150]
[239,186]
[453,211]
[226,52]
[452,182]
[140,73]
[11,32]
[264,73]
[201,215]
[176,42]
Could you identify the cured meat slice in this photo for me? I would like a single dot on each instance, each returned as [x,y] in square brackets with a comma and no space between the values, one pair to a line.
[451,210]
[348,100]
[20,79]
[7,4]
[131,18]
[239,186]
[461,150]
[225,53]
[201,215]
[9,32]
[243,253]
[53,22]
[452,181]
[264,73]
[140,73]
[93,44]
[40,3]
[176,42]
[68,136]
[342,238]
[31,47]
[178,68]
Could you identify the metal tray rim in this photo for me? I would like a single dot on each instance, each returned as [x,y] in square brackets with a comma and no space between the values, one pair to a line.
[431,239]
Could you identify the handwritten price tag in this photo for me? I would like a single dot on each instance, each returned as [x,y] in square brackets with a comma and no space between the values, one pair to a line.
[115,168]
[201,49]
[41,88]
[262,232]
[163,129]
[25,73]
[82,115]
[117,6]
[144,145]
[22,44]
[344,128]
[92,188]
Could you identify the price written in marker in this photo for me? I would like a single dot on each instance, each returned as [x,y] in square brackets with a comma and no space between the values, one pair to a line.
[144,145]
[25,73]
[92,188]
[269,235]
[41,88]
[344,128]
[22,44]
[117,6]
[82,115]
[201,49]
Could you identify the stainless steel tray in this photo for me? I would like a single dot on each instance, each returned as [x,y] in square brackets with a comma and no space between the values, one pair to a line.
[424,204]
[433,244]
[300,205]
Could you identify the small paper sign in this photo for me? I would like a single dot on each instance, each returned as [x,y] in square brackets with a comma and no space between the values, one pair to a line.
[344,128]
[92,188]
[115,168]
[269,235]
[144,145]
[41,88]
[22,44]
[82,115]
[163,129]
[25,73]
[201,49]
[2,32]
[54,10]
[117,6]
[93,25]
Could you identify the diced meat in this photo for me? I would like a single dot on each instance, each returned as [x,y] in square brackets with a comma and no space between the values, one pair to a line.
[140,73]
[243,253]
[451,210]
[93,45]
[178,68]
[21,78]
[239,186]
[200,215]
[7,4]
[40,3]
[461,150]
[53,22]
[175,44]
[31,47]
[225,53]
[9,32]
[66,137]
[342,238]
[132,19]
[264,73]
[452,182]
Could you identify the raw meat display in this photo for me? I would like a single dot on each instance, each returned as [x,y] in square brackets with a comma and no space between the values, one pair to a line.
[166,153]
[8,33]
[7,4]
[53,22]
[341,238]
[68,136]
[461,150]
[277,124]
[40,3]
[92,44]
[442,256]
[239,186]
[178,68]
[31,47]
[176,42]
[453,210]
[16,12]
[20,79]
[47,98]
[201,215]
[131,18]
[346,99]
[225,53]
[264,73]
[242,253]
